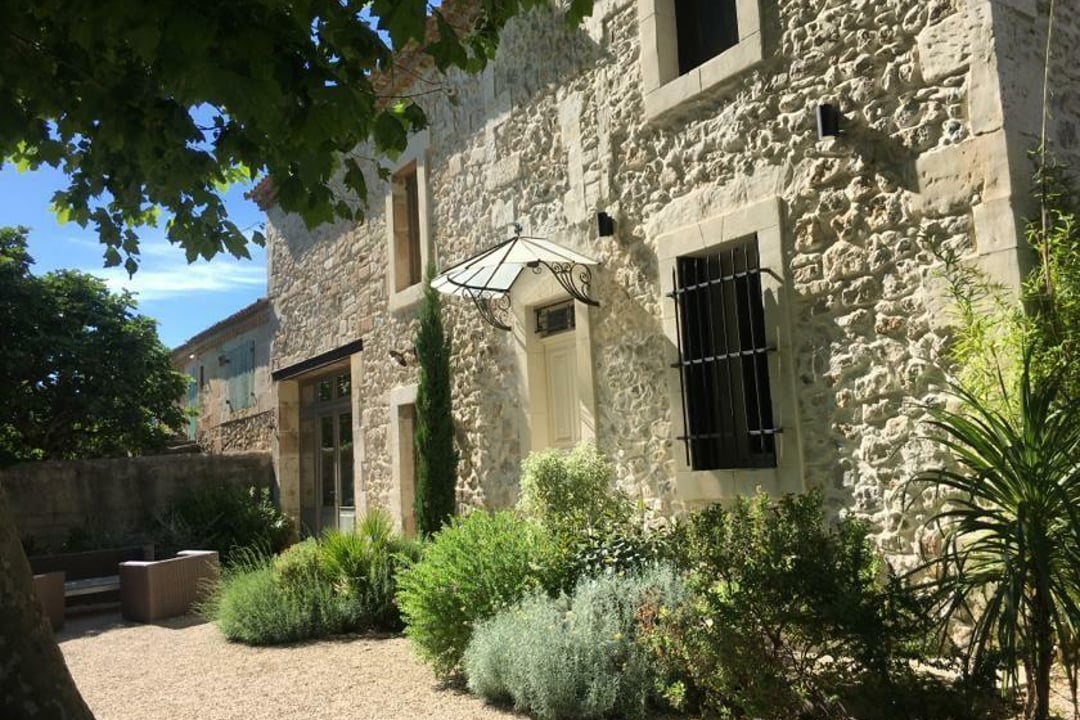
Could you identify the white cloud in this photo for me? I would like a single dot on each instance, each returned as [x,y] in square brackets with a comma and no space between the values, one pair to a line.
[178,278]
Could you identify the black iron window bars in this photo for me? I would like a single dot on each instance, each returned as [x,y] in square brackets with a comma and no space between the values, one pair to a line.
[723,360]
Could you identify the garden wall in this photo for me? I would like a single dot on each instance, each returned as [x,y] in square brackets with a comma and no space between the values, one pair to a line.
[115,495]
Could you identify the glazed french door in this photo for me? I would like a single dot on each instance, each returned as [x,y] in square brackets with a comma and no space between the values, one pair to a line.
[334,468]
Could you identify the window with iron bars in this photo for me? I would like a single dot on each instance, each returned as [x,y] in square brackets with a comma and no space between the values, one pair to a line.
[723,359]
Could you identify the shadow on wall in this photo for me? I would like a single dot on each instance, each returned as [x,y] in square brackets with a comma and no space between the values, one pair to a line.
[52,500]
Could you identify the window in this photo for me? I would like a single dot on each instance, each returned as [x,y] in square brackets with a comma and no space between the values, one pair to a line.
[553,319]
[693,46]
[240,376]
[705,29]
[406,220]
[723,359]
[726,315]
[408,226]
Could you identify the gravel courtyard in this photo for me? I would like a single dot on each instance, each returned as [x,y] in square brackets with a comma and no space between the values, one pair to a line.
[184,670]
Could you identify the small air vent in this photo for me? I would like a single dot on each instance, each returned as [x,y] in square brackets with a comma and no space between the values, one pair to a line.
[555,318]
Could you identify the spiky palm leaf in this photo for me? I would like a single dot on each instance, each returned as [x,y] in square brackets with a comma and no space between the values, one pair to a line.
[1010,558]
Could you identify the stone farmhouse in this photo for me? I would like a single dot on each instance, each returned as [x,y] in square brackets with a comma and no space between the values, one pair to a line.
[229,382]
[769,304]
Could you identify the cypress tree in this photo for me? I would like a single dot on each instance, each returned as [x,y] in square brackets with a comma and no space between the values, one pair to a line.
[436,457]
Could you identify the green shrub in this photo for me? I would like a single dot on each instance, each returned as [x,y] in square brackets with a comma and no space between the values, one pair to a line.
[363,565]
[573,657]
[574,498]
[571,493]
[299,565]
[784,611]
[251,605]
[471,569]
[224,518]
[342,582]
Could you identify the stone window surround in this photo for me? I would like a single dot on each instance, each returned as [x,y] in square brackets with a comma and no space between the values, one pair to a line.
[529,293]
[765,219]
[417,152]
[665,88]
[399,397]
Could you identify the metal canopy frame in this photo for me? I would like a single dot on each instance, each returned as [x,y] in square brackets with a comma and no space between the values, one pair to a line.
[488,277]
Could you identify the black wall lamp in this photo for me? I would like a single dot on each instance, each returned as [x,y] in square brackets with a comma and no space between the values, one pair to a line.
[828,121]
[399,357]
[605,224]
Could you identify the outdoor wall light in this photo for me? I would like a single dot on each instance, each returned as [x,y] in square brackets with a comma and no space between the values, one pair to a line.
[605,224]
[828,121]
[399,357]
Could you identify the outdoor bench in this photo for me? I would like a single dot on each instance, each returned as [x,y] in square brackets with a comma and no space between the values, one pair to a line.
[91,575]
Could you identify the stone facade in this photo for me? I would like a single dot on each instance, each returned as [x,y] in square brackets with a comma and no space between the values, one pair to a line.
[938,107]
[229,418]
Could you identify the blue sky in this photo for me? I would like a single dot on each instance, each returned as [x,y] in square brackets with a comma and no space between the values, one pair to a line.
[183,298]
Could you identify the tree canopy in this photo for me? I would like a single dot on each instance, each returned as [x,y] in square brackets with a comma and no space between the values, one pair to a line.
[158,106]
[81,375]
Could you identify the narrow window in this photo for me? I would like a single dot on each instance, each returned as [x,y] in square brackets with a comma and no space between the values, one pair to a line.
[705,28]
[723,360]
[240,374]
[406,194]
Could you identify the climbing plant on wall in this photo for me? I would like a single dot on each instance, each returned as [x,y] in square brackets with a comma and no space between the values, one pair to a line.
[436,456]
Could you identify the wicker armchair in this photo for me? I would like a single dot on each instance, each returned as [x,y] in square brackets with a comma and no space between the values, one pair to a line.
[151,591]
[49,588]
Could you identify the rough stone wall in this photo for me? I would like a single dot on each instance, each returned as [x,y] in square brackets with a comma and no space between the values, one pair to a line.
[555,130]
[49,499]
[1065,85]
[249,433]
[219,427]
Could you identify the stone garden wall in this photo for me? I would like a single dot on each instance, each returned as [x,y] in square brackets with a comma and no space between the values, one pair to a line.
[117,495]
[556,130]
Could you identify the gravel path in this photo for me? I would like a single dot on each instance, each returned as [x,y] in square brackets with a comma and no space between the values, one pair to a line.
[183,669]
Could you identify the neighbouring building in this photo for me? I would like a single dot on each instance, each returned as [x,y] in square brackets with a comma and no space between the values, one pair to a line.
[771,311]
[229,390]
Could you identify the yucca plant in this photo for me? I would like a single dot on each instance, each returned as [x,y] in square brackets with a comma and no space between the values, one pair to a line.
[1010,557]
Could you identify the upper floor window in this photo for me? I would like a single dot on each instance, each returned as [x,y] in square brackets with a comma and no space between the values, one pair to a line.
[723,359]
[705,28]
[240,376]
[406,220]
[408,225]
[692,46]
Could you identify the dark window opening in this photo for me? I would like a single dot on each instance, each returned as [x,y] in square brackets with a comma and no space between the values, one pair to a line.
[705,28]
[723,360]
[554,319]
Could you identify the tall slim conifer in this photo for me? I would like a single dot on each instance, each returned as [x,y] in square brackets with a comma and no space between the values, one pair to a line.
[436,457]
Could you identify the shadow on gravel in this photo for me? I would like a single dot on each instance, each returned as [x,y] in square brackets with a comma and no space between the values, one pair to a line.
[91,624]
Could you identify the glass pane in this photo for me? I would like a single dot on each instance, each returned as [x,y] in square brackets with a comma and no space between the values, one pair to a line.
[345,456]
[325,391]
[326,459]
[344,384]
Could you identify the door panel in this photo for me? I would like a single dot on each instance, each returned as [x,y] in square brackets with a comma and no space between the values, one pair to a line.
[564,428]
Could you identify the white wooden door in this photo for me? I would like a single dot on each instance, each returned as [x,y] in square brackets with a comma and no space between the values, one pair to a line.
[560,360]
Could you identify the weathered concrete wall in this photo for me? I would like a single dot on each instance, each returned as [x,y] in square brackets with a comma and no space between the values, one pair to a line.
[556,130]
[49,499]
